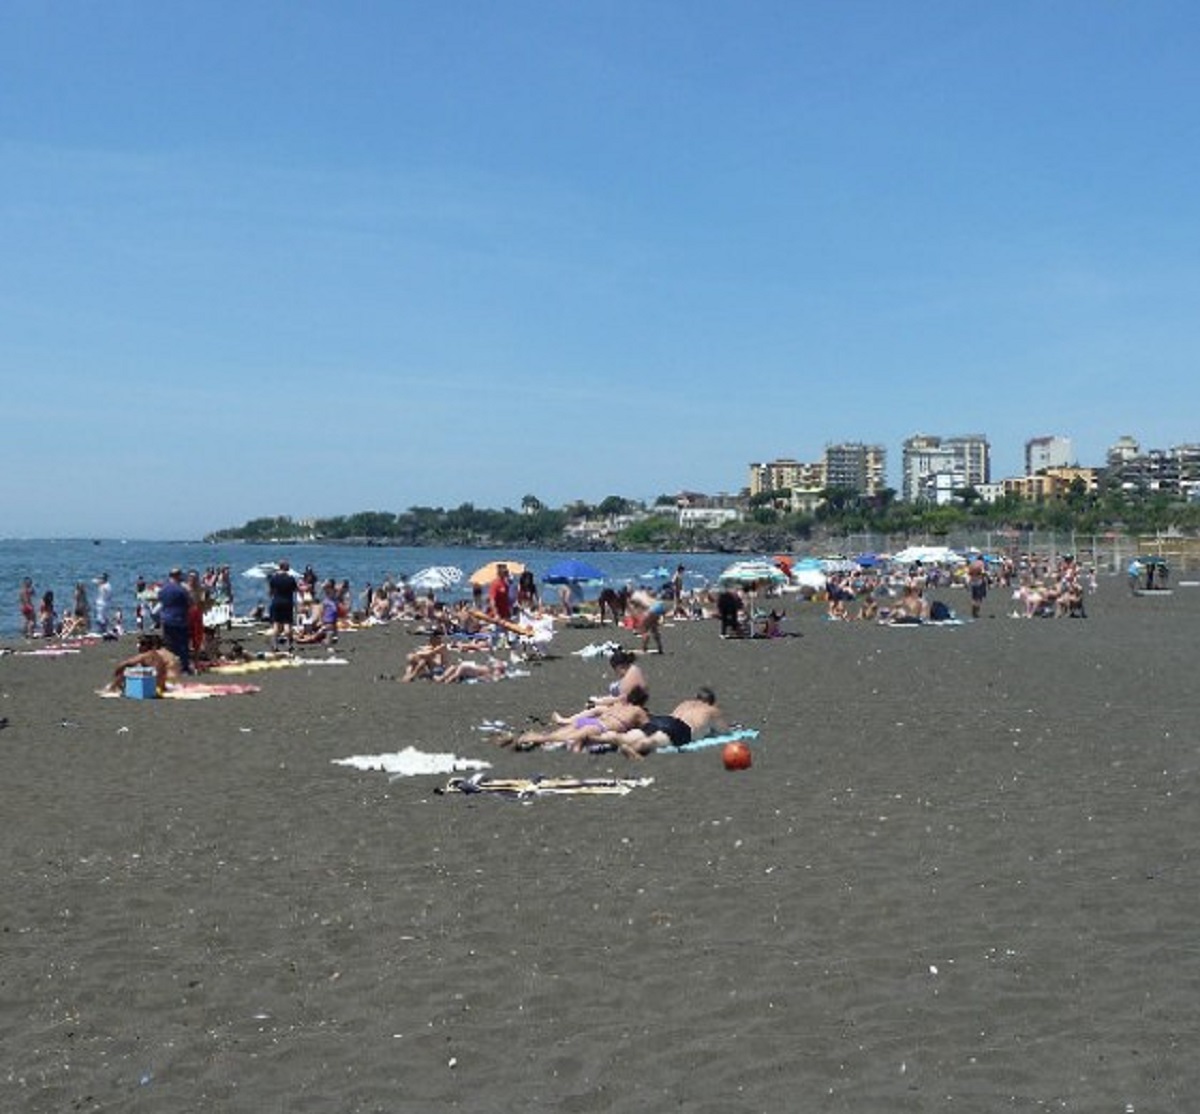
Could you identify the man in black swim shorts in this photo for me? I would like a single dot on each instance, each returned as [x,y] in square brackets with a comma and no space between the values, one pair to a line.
[667,731]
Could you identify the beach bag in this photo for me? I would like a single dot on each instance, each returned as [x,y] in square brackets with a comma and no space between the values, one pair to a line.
[939,612]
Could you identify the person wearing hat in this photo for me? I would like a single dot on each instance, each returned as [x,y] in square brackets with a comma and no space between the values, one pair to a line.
[174,602]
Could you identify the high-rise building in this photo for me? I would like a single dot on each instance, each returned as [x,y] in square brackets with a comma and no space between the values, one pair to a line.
[1047,452]
[962,461]
[856,467]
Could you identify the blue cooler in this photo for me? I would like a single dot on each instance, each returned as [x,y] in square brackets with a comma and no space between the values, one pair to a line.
[141,682]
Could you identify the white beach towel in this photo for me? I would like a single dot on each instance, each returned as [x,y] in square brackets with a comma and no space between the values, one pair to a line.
[410,761]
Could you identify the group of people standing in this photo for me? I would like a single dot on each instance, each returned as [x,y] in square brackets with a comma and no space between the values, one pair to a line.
[41,618]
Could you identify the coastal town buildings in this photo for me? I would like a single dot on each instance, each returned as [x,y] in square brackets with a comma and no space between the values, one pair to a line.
[856,467]
[786,475]
[937,469]
[933,468]
[1174,471]
[1052,483]
[1047,452]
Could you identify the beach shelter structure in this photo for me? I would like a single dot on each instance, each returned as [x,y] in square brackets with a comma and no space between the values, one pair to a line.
[487,573]
[440,578]
[570,570]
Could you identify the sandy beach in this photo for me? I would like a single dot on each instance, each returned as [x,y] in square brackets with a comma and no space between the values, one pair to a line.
[961,875]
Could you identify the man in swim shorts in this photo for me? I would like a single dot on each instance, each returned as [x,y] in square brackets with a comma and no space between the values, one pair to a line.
[692,719]
[152,653]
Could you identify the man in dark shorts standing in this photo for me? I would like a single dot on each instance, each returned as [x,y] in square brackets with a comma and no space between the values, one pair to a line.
[174,603]
[977,583]
[282,586]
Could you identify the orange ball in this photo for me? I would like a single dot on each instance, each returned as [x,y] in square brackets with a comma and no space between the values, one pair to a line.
[736,756]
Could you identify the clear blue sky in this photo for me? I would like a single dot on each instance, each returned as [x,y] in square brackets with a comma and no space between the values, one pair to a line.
[314,258]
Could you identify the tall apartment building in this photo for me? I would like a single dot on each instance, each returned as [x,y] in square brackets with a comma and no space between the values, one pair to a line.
[856,467]
[934,466]
[1042,453]
[777,475]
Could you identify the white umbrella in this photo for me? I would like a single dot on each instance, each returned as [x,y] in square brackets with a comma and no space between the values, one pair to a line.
[437,577]
[753,572]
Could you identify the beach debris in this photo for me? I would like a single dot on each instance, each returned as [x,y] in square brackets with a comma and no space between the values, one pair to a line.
[597,649]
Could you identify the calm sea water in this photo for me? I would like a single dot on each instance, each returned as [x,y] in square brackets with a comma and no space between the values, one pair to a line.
[58,564]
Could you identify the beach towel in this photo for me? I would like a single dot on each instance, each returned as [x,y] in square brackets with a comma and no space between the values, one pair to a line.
[198,690]
[410,761]
[528,788]
[259,665]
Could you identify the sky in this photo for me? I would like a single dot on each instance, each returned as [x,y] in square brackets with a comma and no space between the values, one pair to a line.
[313,258]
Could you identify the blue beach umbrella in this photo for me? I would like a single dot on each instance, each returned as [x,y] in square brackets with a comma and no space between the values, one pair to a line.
[571,571]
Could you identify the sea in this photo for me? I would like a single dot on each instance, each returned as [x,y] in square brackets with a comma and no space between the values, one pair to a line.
[58,564]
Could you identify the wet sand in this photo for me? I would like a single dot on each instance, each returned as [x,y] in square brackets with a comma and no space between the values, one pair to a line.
[961,875]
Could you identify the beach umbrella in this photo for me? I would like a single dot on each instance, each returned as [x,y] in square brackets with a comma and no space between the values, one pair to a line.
[571,571]
[487,573]
[753,572]
[810,577]
[438,577]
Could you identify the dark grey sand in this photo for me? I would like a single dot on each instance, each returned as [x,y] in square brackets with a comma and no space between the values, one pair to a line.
[960,876]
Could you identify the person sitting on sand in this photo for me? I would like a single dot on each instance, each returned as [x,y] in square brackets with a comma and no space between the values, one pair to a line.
[426,661]
[629,676]
[151,652]
[693,719]
[494,669]
[912,607]
[868,609]
[622,716]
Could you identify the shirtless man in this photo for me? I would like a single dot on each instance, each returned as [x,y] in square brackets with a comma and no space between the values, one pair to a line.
[583,729]
[428,660]
[693,719]
[151,652]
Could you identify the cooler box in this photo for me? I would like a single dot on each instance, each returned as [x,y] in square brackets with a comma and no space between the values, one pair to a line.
[141,682]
